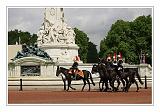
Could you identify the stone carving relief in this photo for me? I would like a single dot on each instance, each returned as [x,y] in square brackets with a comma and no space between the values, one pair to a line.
[57,32]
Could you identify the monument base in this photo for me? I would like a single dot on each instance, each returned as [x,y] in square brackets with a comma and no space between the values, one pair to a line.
[61,53]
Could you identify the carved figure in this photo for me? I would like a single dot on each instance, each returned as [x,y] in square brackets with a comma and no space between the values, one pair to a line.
[55,30]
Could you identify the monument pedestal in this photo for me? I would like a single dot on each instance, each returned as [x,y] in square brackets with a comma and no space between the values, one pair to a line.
[64,53]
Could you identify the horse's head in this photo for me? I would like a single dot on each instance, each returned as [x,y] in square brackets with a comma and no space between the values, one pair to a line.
[120,62]
[58,71]
[94,69]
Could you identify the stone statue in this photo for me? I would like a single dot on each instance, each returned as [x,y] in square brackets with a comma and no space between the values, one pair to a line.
[28,51]
[54,30]
[70,35]
[39,52]
[56,37]
[42,35]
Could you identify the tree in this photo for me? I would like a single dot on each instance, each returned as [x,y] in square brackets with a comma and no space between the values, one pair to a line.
[129,38]
[87,50]
[92,56]
[82,41]
[142,27]
[25,37]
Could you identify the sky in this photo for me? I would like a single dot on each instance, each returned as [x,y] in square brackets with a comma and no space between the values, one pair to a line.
[95,22]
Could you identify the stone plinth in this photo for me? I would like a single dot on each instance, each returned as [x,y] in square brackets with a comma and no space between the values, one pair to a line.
[61,53]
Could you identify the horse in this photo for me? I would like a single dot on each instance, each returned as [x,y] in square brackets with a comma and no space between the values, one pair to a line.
[131,74]
[127,77]
[105,76]
[66,76]
[114,72]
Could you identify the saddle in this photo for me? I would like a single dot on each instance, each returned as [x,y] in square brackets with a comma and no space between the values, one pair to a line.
[80,73]
[76,72]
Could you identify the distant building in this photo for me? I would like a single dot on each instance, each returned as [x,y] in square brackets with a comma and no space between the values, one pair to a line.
[12,51]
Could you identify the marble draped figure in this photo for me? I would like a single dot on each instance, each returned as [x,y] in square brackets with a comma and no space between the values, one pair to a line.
[54,30]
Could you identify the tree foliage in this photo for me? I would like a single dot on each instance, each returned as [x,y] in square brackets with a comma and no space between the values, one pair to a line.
[130,38]
[24,37]
[87,50]
[92,55]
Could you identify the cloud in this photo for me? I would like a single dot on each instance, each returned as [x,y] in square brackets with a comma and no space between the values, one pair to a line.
[25,19]
[95,22]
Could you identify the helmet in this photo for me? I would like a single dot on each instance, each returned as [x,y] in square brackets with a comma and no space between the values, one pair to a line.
[77,58]
[109,58]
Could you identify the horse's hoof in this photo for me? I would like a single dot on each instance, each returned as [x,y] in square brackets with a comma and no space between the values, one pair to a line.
[126,91]
[105,90]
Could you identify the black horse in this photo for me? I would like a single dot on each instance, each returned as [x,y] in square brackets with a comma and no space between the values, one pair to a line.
[127,77]
[114,69]
[112,74]
[131,74]
[66,76]
[105,76]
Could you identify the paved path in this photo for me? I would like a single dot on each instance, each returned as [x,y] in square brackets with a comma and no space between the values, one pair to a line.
[144,96]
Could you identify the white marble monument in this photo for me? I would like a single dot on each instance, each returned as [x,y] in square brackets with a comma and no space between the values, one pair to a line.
[56,37]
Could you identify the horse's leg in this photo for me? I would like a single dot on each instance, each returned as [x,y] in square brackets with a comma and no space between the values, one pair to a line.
[64,82]
[83,84]
[106,84]
[88,84]
[129,85]
[136,85]
[69,82]
[118,81]
[100,84]
[112,85]
[71,86]
[126,86]
[123,82]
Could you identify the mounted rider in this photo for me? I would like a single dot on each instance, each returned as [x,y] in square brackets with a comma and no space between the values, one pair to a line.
[74,69]
[120,61]
[109,62]
[115,60]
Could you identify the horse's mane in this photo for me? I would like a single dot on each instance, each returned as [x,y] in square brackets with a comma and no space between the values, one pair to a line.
[63,68]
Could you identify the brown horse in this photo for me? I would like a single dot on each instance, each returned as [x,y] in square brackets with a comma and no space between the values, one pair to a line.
[66,76]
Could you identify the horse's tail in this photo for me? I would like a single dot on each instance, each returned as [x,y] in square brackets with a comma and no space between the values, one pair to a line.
[139,78]
[90,75]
